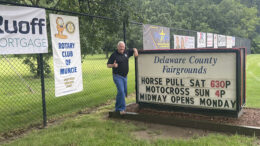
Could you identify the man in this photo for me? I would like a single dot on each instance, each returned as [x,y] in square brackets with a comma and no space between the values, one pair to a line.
[118,61]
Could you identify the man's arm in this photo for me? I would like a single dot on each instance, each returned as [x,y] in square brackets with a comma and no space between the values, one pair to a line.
[115,65]
[135,52]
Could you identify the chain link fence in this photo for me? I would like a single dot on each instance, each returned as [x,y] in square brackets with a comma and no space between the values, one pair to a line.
[21,103]
[20,99]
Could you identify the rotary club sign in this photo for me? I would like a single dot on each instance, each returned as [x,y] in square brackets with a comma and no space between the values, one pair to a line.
[66,54]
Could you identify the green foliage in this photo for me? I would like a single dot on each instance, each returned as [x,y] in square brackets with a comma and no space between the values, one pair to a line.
[227,17]
[256,45]
[33,63]
[99,51]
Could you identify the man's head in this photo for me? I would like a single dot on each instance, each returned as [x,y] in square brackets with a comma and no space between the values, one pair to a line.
[121,47]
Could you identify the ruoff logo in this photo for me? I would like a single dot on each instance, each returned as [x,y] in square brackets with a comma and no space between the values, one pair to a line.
[23,27]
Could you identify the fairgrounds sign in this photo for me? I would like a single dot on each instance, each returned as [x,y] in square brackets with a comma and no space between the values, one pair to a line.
[197,80]
[22,30]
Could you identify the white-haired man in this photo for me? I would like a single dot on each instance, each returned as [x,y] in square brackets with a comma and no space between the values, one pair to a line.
[118,61]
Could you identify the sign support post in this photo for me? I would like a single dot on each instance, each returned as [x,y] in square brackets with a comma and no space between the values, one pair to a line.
[43,92]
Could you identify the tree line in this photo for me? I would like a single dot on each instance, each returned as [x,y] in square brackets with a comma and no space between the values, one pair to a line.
[239,18]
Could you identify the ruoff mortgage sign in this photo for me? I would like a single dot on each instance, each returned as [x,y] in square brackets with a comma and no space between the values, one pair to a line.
[191,79]
[22,30]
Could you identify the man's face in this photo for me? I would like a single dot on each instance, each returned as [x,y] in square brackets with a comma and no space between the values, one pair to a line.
[121,48]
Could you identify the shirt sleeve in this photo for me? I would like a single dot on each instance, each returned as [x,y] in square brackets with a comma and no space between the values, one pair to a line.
[130,52]
[111,59]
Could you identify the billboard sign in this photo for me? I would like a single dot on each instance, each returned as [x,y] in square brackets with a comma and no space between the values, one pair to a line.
[229,41]
[209,39]
[222,41]
[183,42]
[22,30]
[201,40]
[215,40]
[156,37]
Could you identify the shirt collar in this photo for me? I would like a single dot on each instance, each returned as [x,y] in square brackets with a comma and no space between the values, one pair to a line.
[120,53]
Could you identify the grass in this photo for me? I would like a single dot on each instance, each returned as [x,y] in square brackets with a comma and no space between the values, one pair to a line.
[253,81]
[97,129]
[19,107]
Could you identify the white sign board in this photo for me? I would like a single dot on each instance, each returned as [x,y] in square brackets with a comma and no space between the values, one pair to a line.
[215,40]
[222,41]
[229,41]
[183,42]
[209,39]
[200,80]
[22,30]
[66,54]
[201,40]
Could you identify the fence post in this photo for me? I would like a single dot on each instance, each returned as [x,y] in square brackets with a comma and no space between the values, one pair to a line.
[124,32]
[43,92]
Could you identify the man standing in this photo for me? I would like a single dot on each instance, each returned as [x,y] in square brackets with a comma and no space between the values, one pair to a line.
[118,61]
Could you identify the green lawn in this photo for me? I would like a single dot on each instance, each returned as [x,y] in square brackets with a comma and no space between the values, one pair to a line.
[19,107]
[96,129]
[253,81]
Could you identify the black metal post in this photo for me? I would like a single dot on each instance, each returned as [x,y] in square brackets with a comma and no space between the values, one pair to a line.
[124,32]
[43,92]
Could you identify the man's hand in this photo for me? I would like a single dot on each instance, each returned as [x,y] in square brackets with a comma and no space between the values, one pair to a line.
[135,52]
[115,65]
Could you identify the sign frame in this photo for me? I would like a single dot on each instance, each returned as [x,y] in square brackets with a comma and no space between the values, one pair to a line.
[206,111]
[243,75]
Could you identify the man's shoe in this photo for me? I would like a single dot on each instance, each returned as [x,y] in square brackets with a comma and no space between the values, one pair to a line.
[122,112]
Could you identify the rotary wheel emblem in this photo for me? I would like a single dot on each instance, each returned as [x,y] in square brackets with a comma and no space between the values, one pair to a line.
[70,27]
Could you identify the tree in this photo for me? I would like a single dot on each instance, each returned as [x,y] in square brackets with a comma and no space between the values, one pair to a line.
[228,17]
